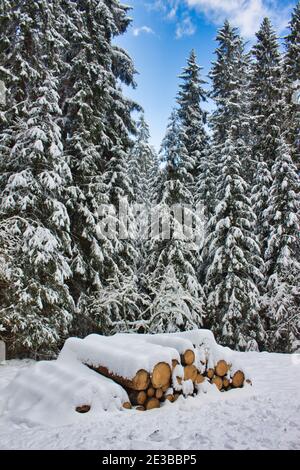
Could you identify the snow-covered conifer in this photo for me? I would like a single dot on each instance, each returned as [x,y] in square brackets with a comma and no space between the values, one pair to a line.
[173,251]
[233,258]
[282,296]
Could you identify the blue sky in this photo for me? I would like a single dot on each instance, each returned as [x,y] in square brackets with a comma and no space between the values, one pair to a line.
[163,32]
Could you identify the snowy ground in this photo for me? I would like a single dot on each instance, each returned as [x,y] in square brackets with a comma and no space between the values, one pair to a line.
[267,417]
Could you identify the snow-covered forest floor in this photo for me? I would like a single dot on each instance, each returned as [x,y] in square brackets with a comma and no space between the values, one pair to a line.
[264,417]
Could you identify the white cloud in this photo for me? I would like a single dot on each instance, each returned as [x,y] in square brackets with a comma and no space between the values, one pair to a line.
[185,28]
[245,14]
[142,30]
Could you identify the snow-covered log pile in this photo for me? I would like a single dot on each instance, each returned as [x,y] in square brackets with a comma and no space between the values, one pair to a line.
[124,371]
[156,368]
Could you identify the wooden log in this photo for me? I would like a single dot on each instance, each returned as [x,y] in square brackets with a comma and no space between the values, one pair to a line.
[137,397]
[210,373]
[217,381]
[152,403]
[190,373]
[188,357]
[127,405]
[83,409]
[174,363]
[199,379]
[238,379]
[140,408]
[170,397]
[139,382]
[150,392]
[166,387]
[161,375]
[226,382]
[221,368]
[159,393]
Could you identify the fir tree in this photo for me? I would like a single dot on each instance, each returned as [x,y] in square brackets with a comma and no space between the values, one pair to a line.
[97,130]
[193,118]
[33,176]
[143,164]
[282,297]
[234,258]
[230,93]
[292,85]
[173,251]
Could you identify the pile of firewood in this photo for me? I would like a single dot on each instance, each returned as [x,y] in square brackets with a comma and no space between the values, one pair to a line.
[188,363]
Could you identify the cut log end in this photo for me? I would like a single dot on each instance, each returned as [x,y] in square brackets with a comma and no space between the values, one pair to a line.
[199,379]
[127,405]
[174,363]
[159,393]
[188,358]
[161,375]
[151,392]
[83,409]
[210,373]
[190,373]
[141,380]
[137,398]
[221,368]
[226,382]
[152,403]
[238,379]
[170,398]
[217,381]
[140,408]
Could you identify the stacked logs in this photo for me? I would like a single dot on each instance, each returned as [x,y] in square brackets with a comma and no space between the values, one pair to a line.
[170,378]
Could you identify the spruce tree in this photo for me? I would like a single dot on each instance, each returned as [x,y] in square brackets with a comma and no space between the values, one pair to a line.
[190,97]
[97,130]
[282,297]
[233,258]
[173,253]
[34,174]
[292,85]
[230,93]
[143,164]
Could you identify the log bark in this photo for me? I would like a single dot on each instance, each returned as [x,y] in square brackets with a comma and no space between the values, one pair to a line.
[139,382]
[238,379]
[221,368]
[161,375]
[190,372]
[217,381]
[188,358]
[152,403]
[137,398]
